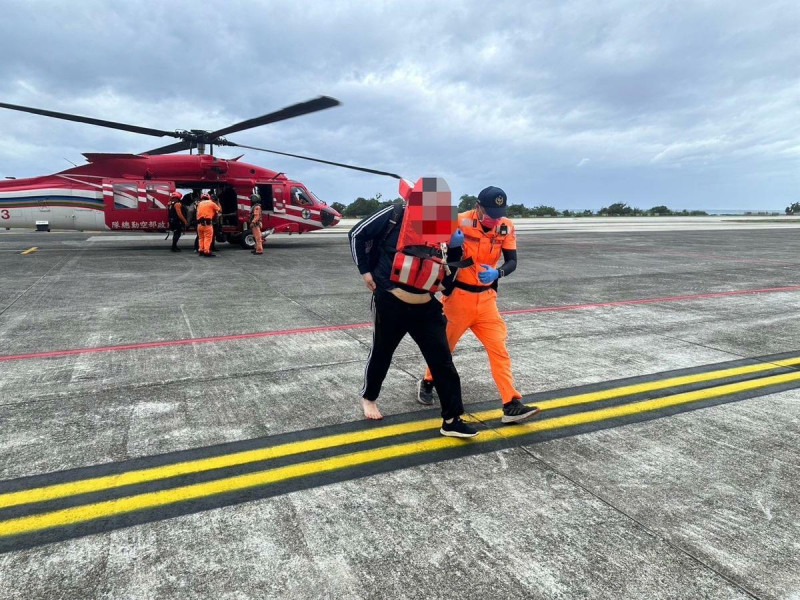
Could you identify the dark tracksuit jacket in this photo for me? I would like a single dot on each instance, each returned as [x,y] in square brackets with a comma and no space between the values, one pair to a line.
[393,318]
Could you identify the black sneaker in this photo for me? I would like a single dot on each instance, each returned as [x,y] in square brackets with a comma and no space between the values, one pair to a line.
[425,392]
[458,429]
[516,411]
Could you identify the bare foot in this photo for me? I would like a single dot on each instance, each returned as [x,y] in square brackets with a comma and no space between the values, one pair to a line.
[371,409]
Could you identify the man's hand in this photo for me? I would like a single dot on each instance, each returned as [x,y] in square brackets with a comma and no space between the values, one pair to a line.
[456,239]
[489,275]
[369,282]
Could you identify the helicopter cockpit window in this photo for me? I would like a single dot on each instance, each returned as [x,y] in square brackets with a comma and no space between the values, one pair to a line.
[316,198]
[126,195]
[300,197]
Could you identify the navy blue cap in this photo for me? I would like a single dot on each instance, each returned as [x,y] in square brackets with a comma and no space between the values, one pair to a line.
[494,201]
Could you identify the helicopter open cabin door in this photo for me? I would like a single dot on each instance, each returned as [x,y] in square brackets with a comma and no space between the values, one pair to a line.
[136,205]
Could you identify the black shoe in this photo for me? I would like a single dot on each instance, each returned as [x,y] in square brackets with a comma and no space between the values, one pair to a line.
[458,429]
[516,411]
[175,249]
[210,254]
[425,392]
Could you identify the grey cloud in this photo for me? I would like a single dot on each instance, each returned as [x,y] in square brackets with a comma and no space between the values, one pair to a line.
[570,103]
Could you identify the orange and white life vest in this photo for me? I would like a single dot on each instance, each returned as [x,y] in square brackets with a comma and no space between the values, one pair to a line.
[427,225]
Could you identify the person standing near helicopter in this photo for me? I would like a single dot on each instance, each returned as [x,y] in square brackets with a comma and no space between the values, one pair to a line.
[218,235]
[207,212]
[177,220]
[255,223]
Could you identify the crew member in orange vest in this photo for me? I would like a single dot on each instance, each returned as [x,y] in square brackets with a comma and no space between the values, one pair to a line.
[471,300]
[255,223]
[207,211]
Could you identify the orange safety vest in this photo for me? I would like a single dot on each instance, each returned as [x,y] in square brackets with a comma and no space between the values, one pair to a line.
[483,247]
[207,209]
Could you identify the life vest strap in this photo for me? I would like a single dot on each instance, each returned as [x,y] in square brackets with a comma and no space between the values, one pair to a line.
[422,252]
[461,264]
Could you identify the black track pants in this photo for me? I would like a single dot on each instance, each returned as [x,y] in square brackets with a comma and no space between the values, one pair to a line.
[176,235]
[426,325]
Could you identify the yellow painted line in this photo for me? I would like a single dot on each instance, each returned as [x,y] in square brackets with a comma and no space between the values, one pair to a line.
[109,508]
[29,250]
[105,482]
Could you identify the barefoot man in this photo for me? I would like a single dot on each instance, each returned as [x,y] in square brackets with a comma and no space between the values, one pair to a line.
[399,309]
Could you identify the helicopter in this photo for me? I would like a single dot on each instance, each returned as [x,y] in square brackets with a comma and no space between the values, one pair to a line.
[131,192]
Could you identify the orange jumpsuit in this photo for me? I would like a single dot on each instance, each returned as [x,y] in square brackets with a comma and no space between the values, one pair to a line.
[207,210]
[478,311]
[255,228]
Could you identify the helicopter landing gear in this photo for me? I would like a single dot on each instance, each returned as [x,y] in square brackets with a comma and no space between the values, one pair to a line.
[246,239]
[239,238]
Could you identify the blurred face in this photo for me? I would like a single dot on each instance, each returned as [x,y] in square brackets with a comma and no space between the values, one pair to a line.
[430,210]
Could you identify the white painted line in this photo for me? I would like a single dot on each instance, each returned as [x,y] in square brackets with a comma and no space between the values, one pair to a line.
[125,238]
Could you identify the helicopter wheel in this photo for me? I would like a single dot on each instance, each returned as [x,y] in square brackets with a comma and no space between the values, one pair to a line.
[248,242]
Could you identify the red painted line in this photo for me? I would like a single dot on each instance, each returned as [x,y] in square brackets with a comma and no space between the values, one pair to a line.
[184,342]
[324,328]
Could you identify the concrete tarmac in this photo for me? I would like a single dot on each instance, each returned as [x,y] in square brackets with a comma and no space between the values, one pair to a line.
[181,427]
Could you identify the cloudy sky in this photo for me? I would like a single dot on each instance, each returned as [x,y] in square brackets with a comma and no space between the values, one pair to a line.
[569,103]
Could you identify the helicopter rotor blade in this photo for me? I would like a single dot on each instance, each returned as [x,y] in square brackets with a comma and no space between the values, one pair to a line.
[295,110]
[176,147]
[90,120]
[319,160]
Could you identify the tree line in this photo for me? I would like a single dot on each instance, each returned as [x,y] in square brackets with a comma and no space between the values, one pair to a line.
[362,207]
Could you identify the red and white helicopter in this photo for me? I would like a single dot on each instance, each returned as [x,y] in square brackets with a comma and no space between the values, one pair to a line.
[131,191]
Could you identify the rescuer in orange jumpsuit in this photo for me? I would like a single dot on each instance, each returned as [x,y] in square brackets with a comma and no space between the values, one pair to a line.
[207,211]
[255,223]
[471,300]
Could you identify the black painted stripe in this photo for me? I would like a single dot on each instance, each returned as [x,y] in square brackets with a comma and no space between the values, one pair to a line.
[281,487]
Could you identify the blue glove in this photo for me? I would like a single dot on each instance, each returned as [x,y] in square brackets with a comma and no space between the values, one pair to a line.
[456,239]
[489,275]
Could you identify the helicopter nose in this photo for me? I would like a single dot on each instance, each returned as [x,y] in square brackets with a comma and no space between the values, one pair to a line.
[329,217]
